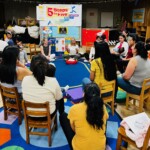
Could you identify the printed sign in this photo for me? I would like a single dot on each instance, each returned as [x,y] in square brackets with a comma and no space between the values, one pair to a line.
[56,15]
[138,15]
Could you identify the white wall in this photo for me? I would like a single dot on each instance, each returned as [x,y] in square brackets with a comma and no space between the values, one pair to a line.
[92,18]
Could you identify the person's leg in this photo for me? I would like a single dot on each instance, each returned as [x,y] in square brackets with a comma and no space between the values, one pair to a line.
[66,56]
[125,85]
[119,63]
[69,133]
[60,106]
[86,55]
[52,56]
[85,81]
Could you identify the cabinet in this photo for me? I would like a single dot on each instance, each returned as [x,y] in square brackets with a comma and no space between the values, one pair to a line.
[142,30]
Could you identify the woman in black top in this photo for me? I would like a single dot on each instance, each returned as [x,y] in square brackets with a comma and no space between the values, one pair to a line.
[46,50]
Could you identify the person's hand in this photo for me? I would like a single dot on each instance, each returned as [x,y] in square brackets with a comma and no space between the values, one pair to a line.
[113,52]
[123,58]
[47,57]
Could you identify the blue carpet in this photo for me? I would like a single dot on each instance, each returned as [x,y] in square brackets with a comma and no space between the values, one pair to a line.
[66,74]
[71,74]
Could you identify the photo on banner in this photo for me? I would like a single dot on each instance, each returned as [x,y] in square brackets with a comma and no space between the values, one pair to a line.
[62,30]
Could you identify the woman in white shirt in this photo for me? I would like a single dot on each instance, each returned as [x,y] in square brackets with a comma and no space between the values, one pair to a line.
[39,88]
[72,49]
[122,44]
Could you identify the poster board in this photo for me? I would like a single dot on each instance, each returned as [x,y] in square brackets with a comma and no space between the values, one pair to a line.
[138,15]
[107,19]
[60,14]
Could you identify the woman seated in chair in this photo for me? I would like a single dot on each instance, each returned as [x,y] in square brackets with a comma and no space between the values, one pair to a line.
[46,50]
[12,71]
[137,70]
[85,126]
[102,67]
[123,62]
[41,88]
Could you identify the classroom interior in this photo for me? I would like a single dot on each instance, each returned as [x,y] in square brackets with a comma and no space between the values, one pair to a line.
[97,17]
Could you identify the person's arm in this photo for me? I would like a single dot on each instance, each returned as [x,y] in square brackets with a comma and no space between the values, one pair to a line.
[49,53]
[25,56]
[68,48]
[130,69]
[77,49]
[58,92]
[92,73]
[72,117]
[113,50]
[42,51]
[22,72]
[92,53]
[19,64]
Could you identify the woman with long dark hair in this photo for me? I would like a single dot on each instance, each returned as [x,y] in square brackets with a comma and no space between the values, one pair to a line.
[86,124]
[103,66]
[137,70]
[11,72]
[40,88]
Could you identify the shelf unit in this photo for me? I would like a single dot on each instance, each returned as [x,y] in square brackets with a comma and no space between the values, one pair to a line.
[142,30]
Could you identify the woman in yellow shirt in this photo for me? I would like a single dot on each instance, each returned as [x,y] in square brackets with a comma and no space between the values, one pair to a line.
[103,68]
[86,124]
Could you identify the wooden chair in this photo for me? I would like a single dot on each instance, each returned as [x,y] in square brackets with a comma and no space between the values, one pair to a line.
[109,87]
[123,137]
[32,48]
[145,95]
[88,46]
[11,102]
[33,109]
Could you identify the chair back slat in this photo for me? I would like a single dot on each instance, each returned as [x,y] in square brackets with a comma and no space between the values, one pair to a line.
[36,109]
[10,98]
[145,87]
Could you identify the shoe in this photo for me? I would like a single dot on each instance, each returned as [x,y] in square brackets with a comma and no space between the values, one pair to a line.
[118,72]
[52,60]
[86,60]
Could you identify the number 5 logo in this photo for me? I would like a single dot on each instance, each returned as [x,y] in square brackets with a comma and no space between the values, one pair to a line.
[50,12]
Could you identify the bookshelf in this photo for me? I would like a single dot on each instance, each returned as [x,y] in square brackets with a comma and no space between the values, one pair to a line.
[142,30]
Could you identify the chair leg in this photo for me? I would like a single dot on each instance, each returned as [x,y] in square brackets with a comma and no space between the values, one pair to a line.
[112,107]
[19,118]
[55,123]
[49,137]
[119,141]
[127,101]
[27,135]
[5,114]
[134,102]
[141,105]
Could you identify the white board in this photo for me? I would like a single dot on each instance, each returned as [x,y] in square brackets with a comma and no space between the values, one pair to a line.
[107,19]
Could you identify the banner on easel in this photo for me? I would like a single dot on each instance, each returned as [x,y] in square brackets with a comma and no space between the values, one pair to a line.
[59,15]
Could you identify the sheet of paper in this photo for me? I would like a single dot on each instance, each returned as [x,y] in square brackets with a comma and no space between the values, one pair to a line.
[138,123]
